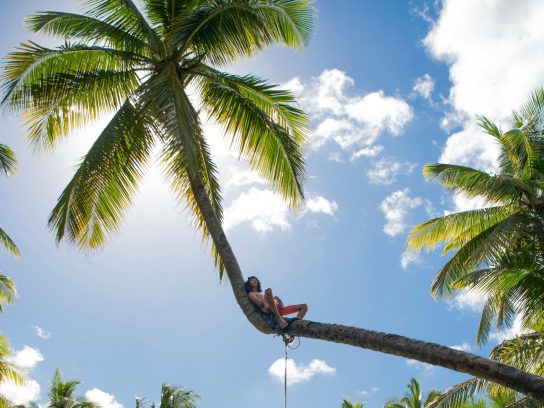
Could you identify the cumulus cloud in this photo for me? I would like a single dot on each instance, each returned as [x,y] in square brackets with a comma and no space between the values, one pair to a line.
[26,358]
[395,208]
[385,171]
[462,347]
[469,300]
[103,399]
[20,394]
[508,333]
[427,369]
[297,373]
[367,152]
[424,86]
[265,210]
[318,204]
[494,51]
[371,391]
[352,121]
[41,333]
[408,258]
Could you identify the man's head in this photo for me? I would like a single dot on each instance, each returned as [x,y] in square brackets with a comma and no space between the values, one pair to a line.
[253,284]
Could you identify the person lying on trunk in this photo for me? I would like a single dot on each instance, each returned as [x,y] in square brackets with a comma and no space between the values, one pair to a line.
[272,304]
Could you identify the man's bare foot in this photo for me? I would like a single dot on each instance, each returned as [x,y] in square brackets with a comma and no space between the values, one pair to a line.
[282,323]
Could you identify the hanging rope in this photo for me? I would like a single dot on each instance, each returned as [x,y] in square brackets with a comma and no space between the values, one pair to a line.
[287,340]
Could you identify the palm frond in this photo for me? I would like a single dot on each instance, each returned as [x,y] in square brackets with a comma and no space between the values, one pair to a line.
[8,371]
[228,29]
[177,173]
[91,30]
[8,292]
[92,206]
[525,402]
[458,395]
[8,244]
[525,352]
[126,16]
[500,189]
[458,227]
[8,161]
[264,127]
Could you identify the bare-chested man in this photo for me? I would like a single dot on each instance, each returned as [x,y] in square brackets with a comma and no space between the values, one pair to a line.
[272,304]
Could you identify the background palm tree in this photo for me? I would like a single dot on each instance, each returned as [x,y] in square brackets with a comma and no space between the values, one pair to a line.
[8,371]
[349,404]
[499,248]
[414,398]
[61,394]
[142,68]
[8,292]
[172,397]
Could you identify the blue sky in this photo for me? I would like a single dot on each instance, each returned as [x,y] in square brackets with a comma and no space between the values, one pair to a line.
[389,86]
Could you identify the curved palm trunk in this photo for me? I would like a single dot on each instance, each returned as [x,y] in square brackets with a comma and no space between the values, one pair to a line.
[430,353]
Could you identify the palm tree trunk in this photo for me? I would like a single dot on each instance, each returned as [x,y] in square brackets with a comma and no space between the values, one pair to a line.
[430,353]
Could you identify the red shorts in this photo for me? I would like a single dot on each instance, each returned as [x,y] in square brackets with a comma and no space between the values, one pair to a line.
[284,311]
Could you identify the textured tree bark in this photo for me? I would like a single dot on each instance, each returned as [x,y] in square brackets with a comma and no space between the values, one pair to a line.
[430,353]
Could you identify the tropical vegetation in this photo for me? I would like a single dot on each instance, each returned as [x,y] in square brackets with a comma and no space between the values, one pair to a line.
[147,69]
[498,248]
[414,397]
[62,394]
[171,397]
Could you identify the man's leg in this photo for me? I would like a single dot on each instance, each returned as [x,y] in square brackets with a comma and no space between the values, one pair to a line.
[302,310]
[270,300]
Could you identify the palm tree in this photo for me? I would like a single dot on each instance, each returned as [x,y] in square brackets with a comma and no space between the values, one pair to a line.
[414,399]
[8,371]
[349,404]
[61,394]
[8,293]
[500,248]
[172,397]
[141,67]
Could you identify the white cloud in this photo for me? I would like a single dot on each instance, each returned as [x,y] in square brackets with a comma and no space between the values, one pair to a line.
[395,209]
[508,333]
[462,347]
[20,394]
[367,152]
[408,258]
[27,358]
[265,210]
[386,171]
[427,369]
[297,373]
[373,390]
[319,204]
[239,178]
[424,86]
[41,333]
[470,147]
[494,50]
[469,300]
[103,399]
[494,53]
[350,121]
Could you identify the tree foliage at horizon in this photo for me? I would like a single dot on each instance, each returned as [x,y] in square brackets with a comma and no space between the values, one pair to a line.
[142,67]
[414,397]
[171,397]
[499,249]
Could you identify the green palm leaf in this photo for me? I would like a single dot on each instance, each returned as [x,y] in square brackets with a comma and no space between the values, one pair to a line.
[8,244]
[93,204]
[8,292]
[8,161]
[264,128]
[229,29]
[8,371]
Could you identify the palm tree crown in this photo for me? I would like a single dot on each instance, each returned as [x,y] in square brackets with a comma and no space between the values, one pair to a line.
[414,398]
[142,66]
[500,248]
